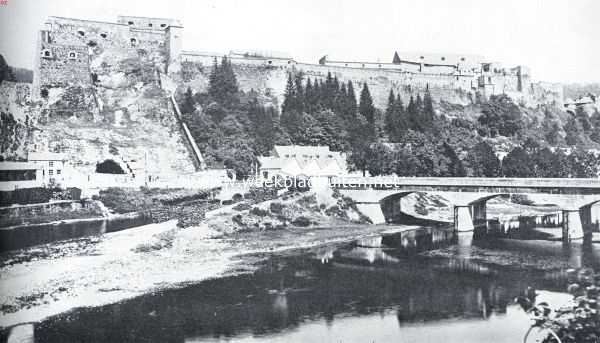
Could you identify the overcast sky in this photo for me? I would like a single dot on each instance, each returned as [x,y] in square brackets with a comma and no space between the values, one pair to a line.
[559,40]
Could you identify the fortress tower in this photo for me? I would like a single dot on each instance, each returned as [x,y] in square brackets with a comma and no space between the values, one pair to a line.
[67,47]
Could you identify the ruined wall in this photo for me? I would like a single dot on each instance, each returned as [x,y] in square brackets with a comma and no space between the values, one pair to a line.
[105,102]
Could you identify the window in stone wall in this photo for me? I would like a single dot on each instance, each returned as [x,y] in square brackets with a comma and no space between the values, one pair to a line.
[462,59]
[103,35]
[44,93]
[130,23]
[133,42]
[46,53]
[150,25]
[270,62]
[443,58]
[163,25]
[72,55]
[92,43]
[81,32]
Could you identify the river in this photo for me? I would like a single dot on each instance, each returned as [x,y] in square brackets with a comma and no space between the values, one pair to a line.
[420,285]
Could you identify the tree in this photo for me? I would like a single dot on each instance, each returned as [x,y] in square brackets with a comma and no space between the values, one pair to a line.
[289,96]
[583,163]
[188,104]
[428,115]
[482,161]
[361,136]
[517,164]
[455,167]
[365,107]
[351,100]
[381,160]
[501,116]
[223,86]
[573,132]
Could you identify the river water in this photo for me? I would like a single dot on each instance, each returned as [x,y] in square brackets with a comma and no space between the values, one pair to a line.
[423,285]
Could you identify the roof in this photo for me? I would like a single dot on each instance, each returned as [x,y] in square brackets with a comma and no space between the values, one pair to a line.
[18,166]
[46,156]
[262,54]
[300,151]
[439,58]
[271,162]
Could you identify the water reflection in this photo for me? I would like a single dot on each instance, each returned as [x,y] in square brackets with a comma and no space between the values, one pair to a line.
[350,293]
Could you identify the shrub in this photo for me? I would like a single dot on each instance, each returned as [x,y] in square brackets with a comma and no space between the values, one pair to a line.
[276,207]
[577,322]
[241,206]
[301,221]
[258,212]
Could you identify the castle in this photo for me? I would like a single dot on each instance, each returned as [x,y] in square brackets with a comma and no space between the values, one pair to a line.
[65,47]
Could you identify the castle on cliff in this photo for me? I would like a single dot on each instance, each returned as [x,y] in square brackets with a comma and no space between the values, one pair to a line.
[66,46]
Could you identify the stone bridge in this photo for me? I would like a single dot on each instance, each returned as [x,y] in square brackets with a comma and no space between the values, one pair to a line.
[379,197]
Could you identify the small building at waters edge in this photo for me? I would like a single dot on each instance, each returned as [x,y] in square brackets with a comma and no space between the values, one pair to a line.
[293,161]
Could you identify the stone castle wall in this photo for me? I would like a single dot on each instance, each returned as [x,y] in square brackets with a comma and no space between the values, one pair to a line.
[102,98]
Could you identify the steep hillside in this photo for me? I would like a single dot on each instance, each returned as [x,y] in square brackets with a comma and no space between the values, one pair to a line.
[122,114]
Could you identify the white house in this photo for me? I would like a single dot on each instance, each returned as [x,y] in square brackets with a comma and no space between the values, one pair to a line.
[302,161]
[52,165]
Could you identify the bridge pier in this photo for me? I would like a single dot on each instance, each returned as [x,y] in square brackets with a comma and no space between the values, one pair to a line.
[571,226]
[372,210]
[463,221]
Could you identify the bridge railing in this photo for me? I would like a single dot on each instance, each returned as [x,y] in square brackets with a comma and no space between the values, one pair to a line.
[391,181]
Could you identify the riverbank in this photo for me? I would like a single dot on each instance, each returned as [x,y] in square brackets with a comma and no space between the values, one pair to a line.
[49,279]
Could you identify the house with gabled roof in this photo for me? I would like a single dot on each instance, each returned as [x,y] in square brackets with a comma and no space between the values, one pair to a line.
[290,161]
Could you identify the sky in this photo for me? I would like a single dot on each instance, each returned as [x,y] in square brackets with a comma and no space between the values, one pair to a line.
[558,40]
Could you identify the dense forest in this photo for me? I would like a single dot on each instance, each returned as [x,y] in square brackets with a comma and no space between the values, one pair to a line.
[414,139]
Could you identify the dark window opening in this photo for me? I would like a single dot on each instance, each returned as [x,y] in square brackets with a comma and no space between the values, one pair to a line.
[44,93]
[163,25]
[443,58]
[92,43]
[130,23]
[81,33]
[94,77]
[422,57]
[462,58]
[133,41]
[270,62]
[47,53]
[109,167]
[150,25]
[103,35]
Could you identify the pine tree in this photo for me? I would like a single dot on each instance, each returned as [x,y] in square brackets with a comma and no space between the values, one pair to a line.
[365,106]
[223,86]
[390,118]
[309,96]
[289,97]
[411,113]
[300,95]
[428,116]
[352,108]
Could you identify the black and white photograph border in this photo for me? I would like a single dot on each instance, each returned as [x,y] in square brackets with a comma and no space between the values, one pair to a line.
[309,171]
